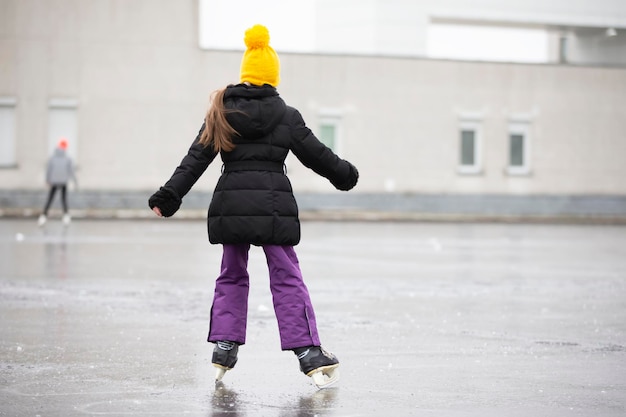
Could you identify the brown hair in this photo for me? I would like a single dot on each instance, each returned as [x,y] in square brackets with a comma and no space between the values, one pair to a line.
[217,131]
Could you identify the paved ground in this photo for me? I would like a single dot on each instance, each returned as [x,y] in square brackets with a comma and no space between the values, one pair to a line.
[109,318]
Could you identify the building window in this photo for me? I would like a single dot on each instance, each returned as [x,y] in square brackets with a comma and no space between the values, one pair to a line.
[63,123]
[563,48]
[328,134]
[516,148]
[486,42]
[217,31]
[329,129]
[470,148]
[519,146]
[8,139]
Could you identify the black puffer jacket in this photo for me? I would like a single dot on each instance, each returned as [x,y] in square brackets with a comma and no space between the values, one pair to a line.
[253,201]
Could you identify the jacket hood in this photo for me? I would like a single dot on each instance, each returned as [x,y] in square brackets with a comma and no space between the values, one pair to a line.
[257,110]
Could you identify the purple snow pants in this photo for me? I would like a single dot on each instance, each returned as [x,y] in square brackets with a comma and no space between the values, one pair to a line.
[292,304]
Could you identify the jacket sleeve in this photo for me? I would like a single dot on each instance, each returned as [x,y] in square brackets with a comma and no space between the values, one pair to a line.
[169,197]
[321,159]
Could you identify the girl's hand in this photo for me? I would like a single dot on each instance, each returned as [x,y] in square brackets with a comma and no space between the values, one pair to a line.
[164,202]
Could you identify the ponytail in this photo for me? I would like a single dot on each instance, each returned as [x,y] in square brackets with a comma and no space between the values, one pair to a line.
[217,131]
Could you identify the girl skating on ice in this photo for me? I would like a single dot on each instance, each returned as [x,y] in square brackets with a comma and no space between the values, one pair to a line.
[253,130]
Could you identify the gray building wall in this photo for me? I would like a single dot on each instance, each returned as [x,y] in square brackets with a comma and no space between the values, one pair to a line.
[141,88]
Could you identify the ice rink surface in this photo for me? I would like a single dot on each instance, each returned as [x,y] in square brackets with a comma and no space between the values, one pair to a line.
[109,318]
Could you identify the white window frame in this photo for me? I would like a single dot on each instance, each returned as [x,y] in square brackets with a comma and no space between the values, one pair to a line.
[518,127]
[475,124]
[8,133]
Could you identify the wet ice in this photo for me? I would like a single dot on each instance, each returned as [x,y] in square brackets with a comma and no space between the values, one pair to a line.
[110,317]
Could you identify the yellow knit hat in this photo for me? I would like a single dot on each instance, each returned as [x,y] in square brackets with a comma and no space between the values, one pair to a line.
[260,64]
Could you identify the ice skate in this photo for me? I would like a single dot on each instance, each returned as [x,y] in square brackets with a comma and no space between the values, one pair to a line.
[224,358]
[319,364]
[42,220]
[67,219]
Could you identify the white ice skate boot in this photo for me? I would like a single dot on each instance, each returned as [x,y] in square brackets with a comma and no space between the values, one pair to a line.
[42,220]
[67,219]
[319,364]
[224,358]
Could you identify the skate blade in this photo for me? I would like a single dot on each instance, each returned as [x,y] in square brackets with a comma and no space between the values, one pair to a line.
[325,377]
[219,372]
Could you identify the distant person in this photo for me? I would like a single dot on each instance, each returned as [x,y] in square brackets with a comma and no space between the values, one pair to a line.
[59,171]
[253,130]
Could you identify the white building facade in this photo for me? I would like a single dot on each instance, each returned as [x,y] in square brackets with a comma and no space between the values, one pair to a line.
[128,84]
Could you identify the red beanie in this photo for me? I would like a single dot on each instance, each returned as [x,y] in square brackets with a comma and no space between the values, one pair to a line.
[62,143]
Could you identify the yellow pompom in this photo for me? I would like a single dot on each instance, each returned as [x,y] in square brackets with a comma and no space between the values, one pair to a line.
[257,37]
